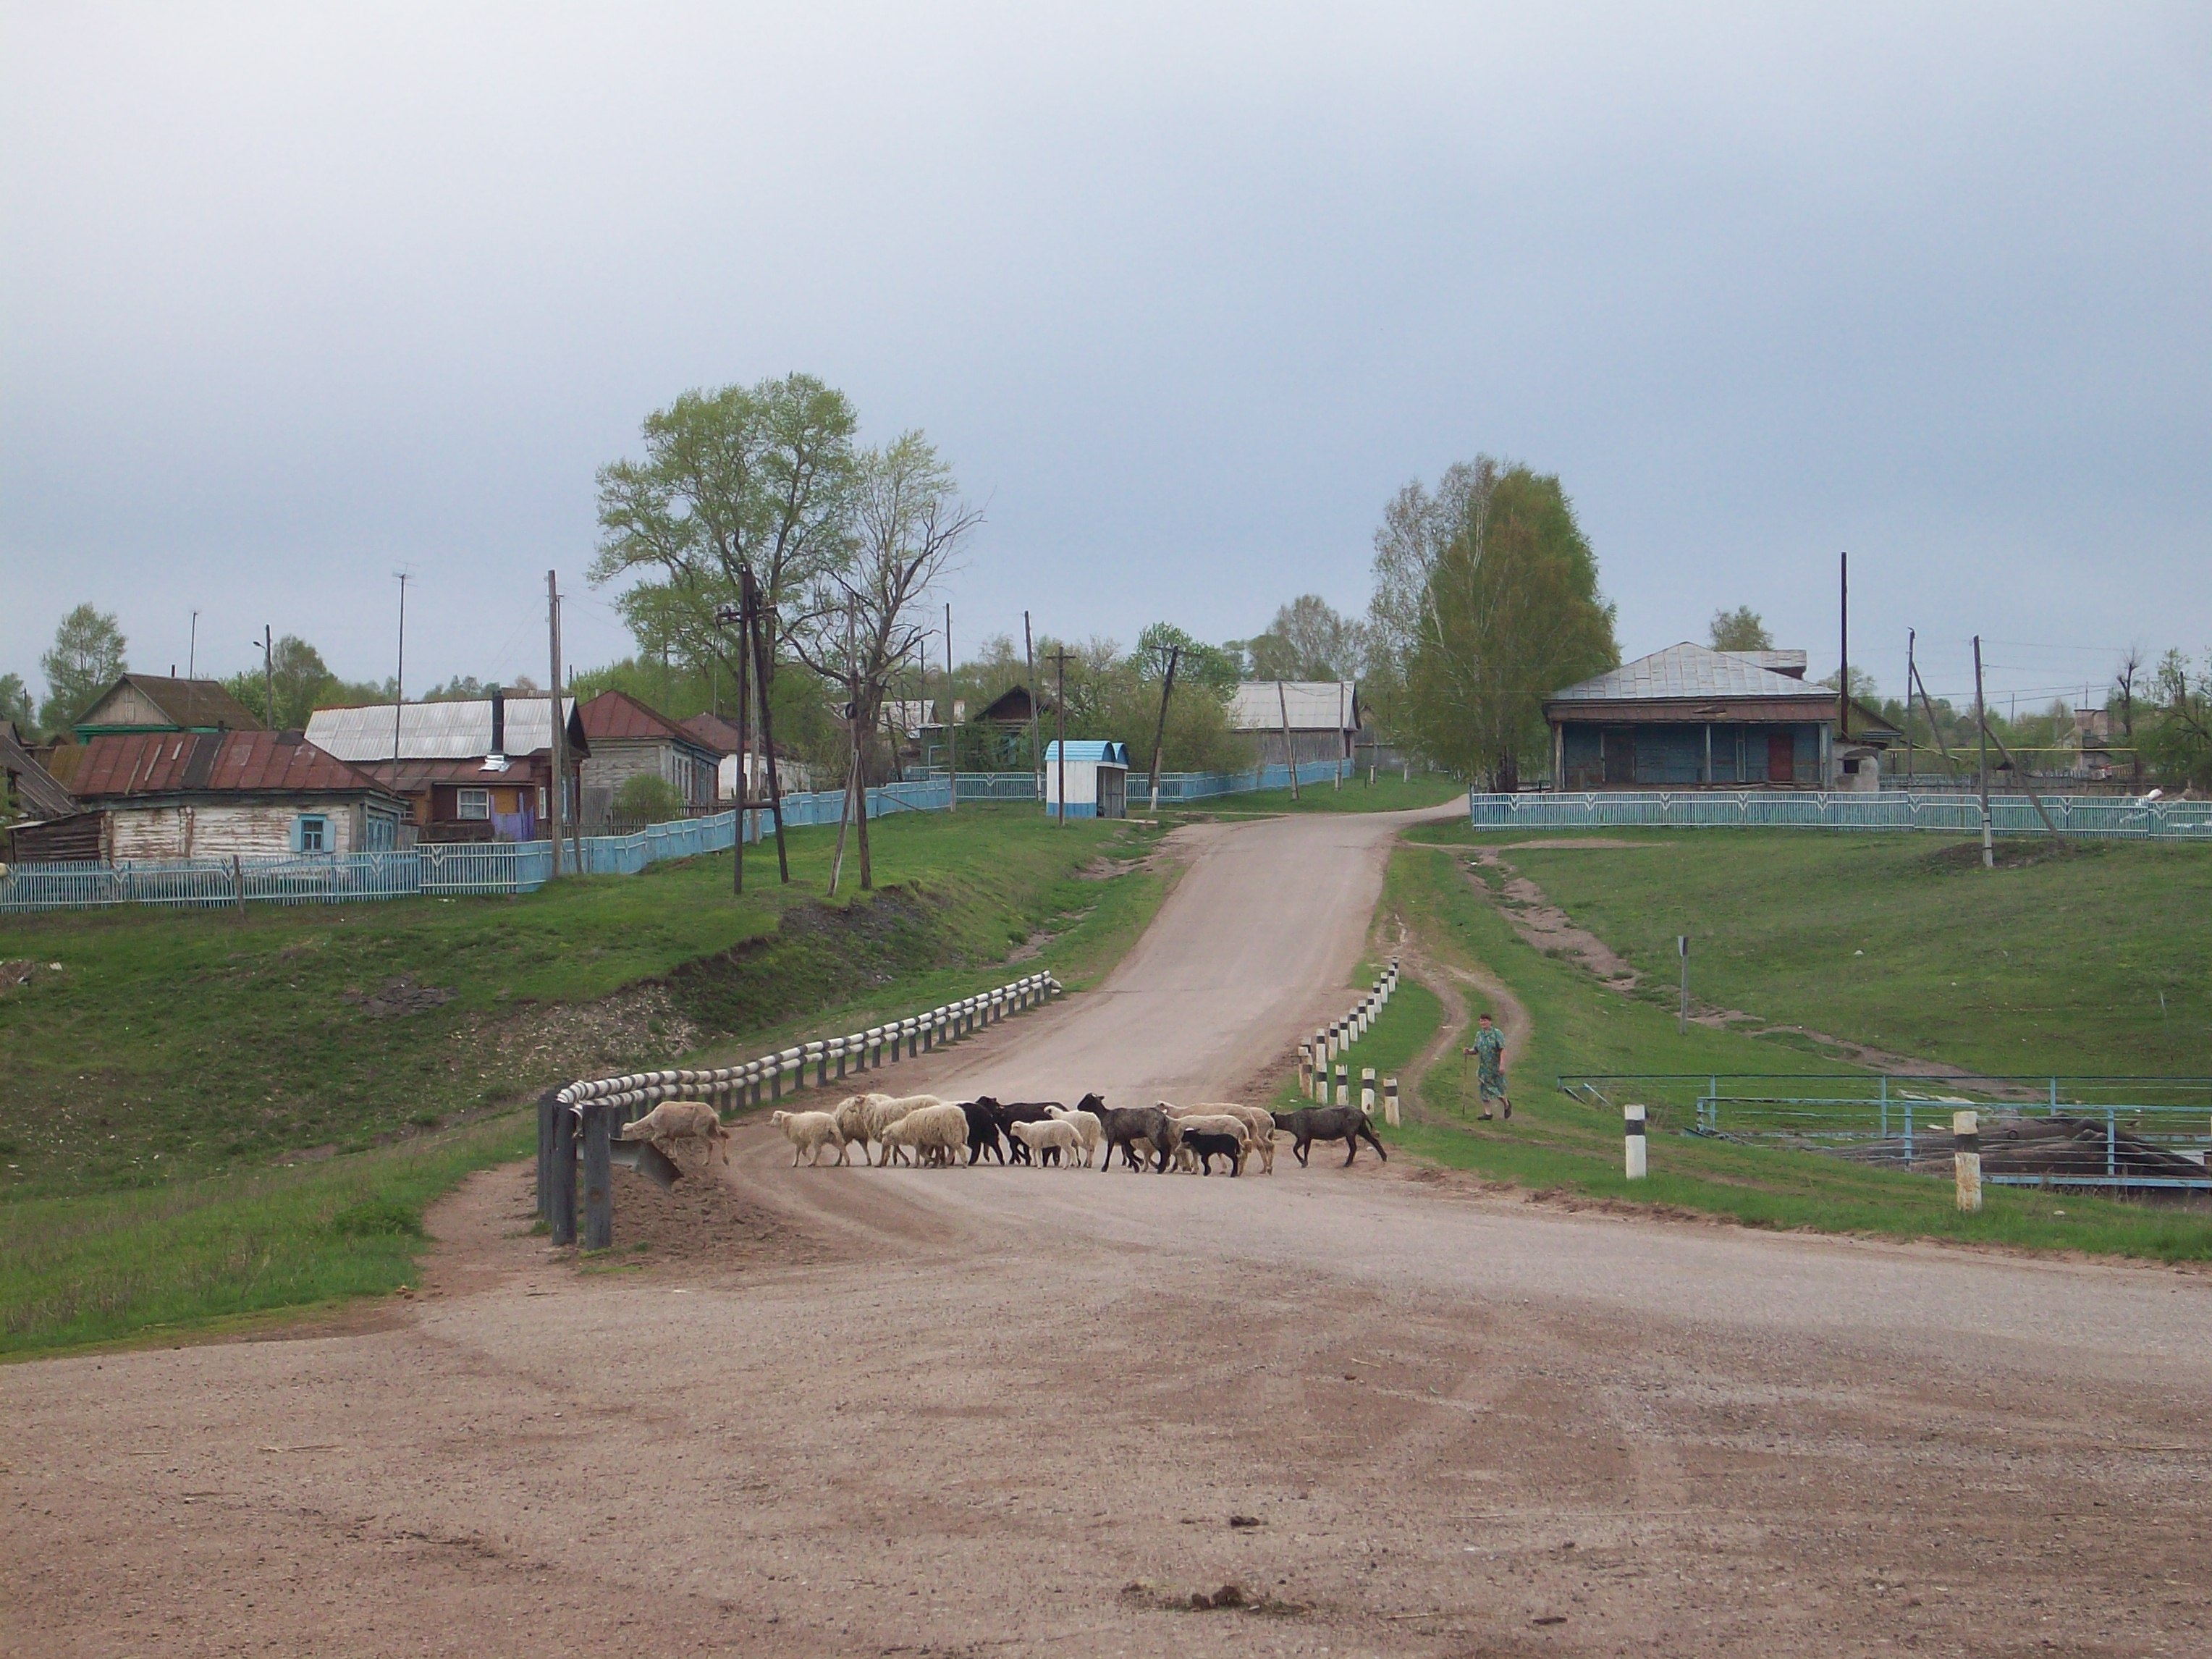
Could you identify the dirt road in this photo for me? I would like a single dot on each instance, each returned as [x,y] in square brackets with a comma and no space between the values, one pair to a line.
[979,1411]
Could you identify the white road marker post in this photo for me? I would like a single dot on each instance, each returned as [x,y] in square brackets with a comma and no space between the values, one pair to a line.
[1343,1084]
[1632,1128]
[1367,1090]
[1390,1101]
[1966,1160]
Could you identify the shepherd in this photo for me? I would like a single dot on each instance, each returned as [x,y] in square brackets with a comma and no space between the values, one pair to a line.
[1489,1052]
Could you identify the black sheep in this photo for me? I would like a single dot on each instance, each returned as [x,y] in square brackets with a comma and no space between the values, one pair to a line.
[1207,1147]
[1348,1124]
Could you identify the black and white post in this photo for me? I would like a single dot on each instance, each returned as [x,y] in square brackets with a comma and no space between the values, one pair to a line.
[1632,1134]
[1966,1160]
[1683,949]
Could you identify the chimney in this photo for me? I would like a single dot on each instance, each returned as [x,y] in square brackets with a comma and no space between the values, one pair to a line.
[499,719]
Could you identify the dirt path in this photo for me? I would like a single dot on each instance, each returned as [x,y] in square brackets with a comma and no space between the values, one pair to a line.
[851,1411]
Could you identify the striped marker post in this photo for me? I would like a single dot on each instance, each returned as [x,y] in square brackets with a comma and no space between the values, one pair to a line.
[1367,1090]
[1966,1160]
[1390,1101]
[1632,1130]
[1343,1084]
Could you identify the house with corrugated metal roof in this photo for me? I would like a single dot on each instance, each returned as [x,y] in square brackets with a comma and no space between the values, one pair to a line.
[1306,719]
[792,774]
[54,827]
[163,795]
[628,739]
[155,703]
[1690,717]
[476,769]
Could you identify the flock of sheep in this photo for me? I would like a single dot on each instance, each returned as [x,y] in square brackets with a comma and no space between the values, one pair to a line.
[927,1131]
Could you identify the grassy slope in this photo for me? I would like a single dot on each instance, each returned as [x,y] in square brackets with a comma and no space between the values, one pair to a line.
[2093,963]
[183,1253]
[1554,1142]
[180,1043]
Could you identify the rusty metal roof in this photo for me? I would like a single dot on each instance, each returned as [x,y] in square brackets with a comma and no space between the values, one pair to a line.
[129,764]
[617,715]
[37,791]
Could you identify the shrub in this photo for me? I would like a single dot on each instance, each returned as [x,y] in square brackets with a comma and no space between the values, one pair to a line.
[647,799]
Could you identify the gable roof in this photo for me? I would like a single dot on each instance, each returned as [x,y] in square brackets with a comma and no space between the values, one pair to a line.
[1314,706]
[123,765]
[37,790]
[617,715]
[441,731]
[188,705]
[1691,670]
[1013,706]
[713,732]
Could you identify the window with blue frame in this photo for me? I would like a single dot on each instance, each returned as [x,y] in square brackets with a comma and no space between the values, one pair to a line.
[311,834]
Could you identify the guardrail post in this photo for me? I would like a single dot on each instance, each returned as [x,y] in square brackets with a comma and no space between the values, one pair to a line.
[1343,1084]
[1367,1090]
[820,1052]
[1390,1101]
[548,1104]
[599,1178]
[1633,1137]
[561,1194]
[1966,1160]
[835,1049]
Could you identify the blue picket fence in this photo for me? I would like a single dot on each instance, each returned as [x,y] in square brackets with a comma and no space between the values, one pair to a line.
[2104,817]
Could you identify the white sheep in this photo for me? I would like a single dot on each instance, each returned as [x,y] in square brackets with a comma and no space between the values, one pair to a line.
[807,1130]
[674,1120]
[1088,1129]
[937,1132]
[855,1120]
[885,1110]
[1259,1125]
[1053,1132]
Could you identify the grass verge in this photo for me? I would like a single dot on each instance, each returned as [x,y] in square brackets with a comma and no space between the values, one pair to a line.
[1555,1143]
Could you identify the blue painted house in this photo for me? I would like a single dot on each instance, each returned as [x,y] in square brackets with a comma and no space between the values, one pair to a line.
[1693,717]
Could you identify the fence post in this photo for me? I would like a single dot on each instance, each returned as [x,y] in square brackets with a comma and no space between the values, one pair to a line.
[1367,1090]
[1632,1135]
[1343,1084]
[1305,1069]
[834,1048]
[237,882]
[561,1208]
[820,1051]
[1390,1101]
[599,1178]
[548,1104]
[1908,1132]
[1885,1105]
[2112,1147]
[1966,1160]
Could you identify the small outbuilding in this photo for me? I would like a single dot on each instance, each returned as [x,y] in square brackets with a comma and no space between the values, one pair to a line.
[1322,718]
[1690,717]
[1097,779]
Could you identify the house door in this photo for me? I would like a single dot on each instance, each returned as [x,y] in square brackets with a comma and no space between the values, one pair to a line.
[1620,751]
[1781,758]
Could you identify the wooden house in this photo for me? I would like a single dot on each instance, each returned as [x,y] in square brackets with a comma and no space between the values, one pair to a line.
[793,773]
[45,822]
[476,770]
[1690,717]
[627,740]
[1322,717]
[153,702]
[163,795]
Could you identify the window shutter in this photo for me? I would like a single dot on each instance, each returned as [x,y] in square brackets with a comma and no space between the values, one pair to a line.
[296,834]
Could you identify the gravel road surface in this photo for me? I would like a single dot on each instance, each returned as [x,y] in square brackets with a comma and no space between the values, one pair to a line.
[859,1411]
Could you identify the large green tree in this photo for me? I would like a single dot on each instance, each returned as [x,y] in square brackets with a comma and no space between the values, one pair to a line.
[761,476]
[1739,629]
[1511,611]
[1308,639]
[15,703]
[88,654]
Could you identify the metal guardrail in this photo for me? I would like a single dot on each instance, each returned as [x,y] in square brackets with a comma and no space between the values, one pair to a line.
[2093,816]
[582,1119]
[1884,1119]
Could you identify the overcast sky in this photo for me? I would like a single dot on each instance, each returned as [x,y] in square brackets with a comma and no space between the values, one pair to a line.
[293,296]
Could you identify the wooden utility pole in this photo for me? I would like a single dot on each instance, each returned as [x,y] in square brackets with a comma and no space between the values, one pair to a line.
[1843,673]
[560,733]
[853,773]
[269,685]
[1982,726]
[952,730]
[1290,754]
[760,650]
[744,730]
[1029,655]
[1160,735]
[1911,673]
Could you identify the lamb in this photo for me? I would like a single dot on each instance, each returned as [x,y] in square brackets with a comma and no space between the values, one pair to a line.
[1087,1129]
[851,1113]
[937,1132]
[1204,1145]
[1006,1116]
[680,1120]
[1217,1127]
[1055,1134]
[807,1132]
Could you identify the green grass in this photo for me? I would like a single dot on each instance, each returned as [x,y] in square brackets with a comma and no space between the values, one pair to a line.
[1408,1021]
[151,1255]
[192,1254]
[1388,793]
[2091,964]
[177,1044]
[1555,1143]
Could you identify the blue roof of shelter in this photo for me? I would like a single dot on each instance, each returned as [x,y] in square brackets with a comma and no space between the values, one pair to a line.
[1103,752]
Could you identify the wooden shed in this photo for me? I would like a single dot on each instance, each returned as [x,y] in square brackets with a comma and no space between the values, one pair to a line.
[1322,715]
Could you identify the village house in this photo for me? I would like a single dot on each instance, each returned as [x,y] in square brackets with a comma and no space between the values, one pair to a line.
[163,795]
[46,824]
[155,703]
[627,740]
[1322,717]
[1690,717]
[792,774]
[475,769]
